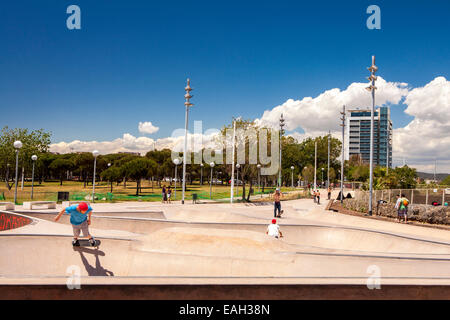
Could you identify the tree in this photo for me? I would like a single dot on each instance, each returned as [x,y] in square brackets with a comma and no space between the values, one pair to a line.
[112,174]
[406,177]
[59,167]
[446,181]
[138,169]
[35,142]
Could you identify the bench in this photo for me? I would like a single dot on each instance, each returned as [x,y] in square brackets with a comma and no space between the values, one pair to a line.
[8,205]
[29,205]
[66,204]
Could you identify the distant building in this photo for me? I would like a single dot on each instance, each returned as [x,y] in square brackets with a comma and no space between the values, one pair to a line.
[358,136]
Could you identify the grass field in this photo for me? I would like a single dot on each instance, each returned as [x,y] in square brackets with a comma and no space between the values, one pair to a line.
[48,191]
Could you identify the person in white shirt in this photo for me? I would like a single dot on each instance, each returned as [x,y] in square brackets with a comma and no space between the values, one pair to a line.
[273,230]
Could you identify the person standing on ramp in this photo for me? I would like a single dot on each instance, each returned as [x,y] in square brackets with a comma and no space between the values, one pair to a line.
[277,203]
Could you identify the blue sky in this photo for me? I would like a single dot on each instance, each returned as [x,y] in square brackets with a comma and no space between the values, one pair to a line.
[130,60]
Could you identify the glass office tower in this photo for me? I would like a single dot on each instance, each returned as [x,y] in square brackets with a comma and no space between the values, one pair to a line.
[358,136]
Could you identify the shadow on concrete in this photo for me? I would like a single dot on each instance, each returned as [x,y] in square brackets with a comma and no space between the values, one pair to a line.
[96,270]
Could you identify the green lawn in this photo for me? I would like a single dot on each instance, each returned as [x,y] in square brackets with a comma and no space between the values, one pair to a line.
[48,191]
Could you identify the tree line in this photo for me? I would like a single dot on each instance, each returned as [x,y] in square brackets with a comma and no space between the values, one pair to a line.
[158,166]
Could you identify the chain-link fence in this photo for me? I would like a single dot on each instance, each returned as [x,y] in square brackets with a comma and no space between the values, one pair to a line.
[437,196]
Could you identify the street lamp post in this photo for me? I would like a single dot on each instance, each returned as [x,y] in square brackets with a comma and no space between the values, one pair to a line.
[187,96]
[210,181]
[17,146]
[237,178]
[328,164]
[33,158]
[201,173]
[258,166]
[109,166]
[315,163]
[292,176]
[342,153]
[373,68]
[306,172]
[176,162]
[95,153]
[281,139]
[322,176]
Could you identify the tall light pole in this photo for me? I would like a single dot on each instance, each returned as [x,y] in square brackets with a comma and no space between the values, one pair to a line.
[315,163]
[210,181]
[33,158]
[328,164]
[306,172]
[435,165]
[292,176]
[232,164]
[201,173]
[322,175]
[237,177]
[281,138]
[95,153]
[176,162]
[109,166]
[187,96]
[342,153]
[373,68]
[258,166]
[17,146]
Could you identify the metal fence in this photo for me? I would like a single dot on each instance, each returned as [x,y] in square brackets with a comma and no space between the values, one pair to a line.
[437,196]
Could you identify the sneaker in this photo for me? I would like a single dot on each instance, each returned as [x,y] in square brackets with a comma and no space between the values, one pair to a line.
[75,243]
[92,242]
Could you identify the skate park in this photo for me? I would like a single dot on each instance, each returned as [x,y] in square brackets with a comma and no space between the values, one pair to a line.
[217,244]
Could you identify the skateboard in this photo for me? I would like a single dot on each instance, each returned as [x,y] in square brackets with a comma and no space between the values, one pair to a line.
[86,243]
[279,215]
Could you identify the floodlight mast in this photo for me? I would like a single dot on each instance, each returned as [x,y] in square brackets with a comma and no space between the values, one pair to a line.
[373,68]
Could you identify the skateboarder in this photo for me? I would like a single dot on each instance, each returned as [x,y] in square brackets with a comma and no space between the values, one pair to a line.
[80,218]
[273,229]
[277,203]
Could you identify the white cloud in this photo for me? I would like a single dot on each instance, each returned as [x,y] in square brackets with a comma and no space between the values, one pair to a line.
[130,143]
[147,127]
[318,115]
[427,136]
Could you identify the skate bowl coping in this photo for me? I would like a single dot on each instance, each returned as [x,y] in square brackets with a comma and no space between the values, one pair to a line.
[12,221]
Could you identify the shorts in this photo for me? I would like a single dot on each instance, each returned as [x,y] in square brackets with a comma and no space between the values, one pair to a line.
[81,227]
[402,212]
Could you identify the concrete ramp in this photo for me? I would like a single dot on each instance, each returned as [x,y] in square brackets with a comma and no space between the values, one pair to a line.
[213,242]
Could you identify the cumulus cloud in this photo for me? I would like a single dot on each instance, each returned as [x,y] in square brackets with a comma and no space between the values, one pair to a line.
[147,127]
[319,114]
[130,143]
[427,136]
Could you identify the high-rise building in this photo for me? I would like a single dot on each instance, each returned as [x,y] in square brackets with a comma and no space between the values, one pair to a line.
[358,136]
